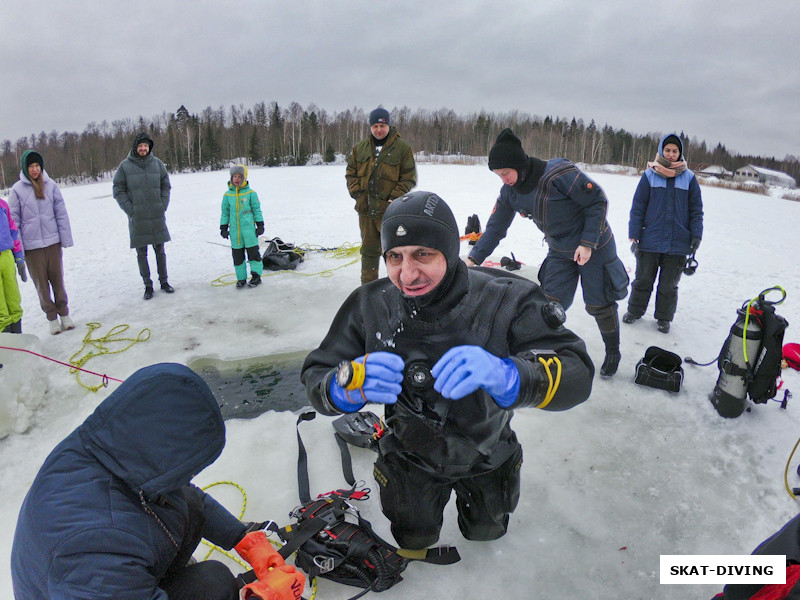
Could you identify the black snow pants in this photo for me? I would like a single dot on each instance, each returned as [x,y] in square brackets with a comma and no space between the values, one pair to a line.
[668,267]
[413,500]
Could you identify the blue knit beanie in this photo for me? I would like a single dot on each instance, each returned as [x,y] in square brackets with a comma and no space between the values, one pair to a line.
[379,115]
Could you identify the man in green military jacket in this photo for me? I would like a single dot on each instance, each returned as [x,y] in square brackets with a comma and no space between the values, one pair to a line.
[379,169]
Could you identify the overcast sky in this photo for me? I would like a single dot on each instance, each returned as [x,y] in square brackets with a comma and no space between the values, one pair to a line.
[719,71]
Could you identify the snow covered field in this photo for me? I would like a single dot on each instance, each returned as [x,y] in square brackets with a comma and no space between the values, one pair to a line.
[608,487]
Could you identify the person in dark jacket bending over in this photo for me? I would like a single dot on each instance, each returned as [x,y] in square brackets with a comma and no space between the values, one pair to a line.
[112,515]
[570,209]
[666,225]
[142,188]
[451,352]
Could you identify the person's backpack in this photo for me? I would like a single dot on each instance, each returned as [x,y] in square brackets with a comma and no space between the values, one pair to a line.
[332,540]
[281,256]
[660,369]
[749,362]
[766,369]
[347,550]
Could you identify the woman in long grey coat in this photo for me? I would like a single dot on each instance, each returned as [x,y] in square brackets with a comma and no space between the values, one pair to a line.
[38,209]
[141,188]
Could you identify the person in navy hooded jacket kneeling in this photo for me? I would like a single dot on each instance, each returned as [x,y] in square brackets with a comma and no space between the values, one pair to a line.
[112,514]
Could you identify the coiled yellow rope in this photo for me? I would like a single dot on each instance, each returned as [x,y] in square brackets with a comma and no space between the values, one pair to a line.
[100,346]
[344,251]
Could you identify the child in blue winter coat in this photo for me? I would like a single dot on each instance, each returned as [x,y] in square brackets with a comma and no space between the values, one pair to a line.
[242,222]
[10,255]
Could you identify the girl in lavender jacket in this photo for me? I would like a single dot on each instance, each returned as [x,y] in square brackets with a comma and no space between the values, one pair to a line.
[41,215]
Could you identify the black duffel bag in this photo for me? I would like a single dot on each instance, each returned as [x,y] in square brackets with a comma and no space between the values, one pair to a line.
[660,369]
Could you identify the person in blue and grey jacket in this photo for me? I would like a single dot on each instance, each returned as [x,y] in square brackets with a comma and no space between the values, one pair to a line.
[666,225]
[570,209]
[112,514]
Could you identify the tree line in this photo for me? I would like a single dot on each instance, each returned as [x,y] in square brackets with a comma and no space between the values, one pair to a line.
[267,134]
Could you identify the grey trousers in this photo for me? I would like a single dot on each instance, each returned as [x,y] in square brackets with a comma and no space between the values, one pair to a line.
[144,266]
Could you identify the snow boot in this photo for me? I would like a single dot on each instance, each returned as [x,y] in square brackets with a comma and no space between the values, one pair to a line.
[663,326]
[14,327]
[241,283]
[165,287]
[613,355]
[611,362]
[55,327]
[629,317]
[148,292]
[67,323]
[255,279]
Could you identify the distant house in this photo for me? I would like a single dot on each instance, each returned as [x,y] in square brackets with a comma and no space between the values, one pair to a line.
[715,171]
[765,176]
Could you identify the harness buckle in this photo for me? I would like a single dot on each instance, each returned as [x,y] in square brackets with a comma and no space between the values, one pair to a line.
[326,564]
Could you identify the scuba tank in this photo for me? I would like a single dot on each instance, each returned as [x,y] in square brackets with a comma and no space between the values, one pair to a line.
[730,393]
[749,362]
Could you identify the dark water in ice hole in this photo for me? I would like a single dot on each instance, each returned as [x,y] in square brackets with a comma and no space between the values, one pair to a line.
[248,387]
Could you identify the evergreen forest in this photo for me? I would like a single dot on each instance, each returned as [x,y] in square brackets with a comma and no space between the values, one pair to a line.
[271,135]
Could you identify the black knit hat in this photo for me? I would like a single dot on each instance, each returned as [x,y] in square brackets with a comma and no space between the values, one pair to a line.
[421,219]
[673,139]
[30,157]
[143,138]
[379,115]
[507,152]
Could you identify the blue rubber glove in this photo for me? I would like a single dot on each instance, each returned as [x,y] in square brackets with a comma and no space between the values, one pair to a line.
[382,382]
[464,369]
[339,398]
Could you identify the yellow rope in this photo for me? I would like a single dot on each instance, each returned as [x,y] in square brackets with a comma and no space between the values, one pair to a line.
[786,472]
[747,316]
[214,547]
[98,346]
[346,250]
[552,385]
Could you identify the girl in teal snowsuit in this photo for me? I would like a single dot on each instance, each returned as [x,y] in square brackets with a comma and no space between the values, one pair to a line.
[242,221]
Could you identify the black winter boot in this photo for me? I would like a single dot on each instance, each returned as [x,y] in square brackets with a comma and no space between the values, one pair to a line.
[255,279]
[611,362]
[629,317]
[613,355]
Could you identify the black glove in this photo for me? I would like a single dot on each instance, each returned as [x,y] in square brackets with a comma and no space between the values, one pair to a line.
[512,264]
[223,231]
[694,245]
[635,248]
[259,227]
[21,270]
